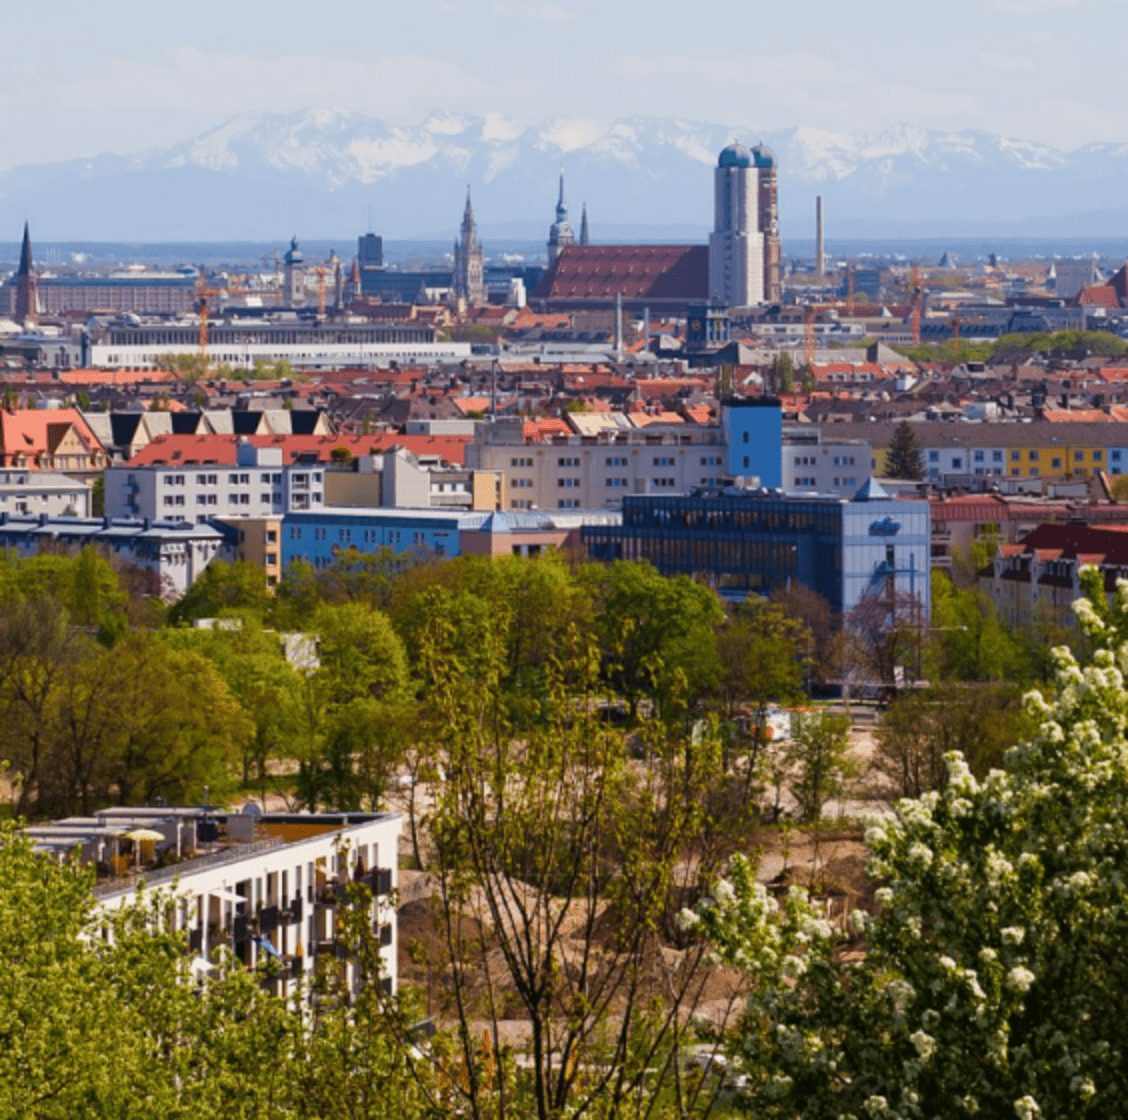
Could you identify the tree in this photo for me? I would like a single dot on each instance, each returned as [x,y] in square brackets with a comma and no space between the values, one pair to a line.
[820,761]
[915,736]
[904,458]
[784,373]
[763,654]
[556,857]
[357,709]
[972,644]
[992,980]
[224,590]
[656,634]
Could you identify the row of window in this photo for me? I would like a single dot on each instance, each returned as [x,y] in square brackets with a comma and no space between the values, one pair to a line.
[1032,456]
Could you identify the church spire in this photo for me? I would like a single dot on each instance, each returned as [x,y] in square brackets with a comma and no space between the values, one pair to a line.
[584,226]
[25,254]
[27,295]
[560,232]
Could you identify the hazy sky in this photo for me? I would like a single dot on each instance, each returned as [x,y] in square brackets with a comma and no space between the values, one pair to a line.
[87,76]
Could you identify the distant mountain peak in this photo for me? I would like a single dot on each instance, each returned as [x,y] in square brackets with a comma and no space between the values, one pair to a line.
[322,168]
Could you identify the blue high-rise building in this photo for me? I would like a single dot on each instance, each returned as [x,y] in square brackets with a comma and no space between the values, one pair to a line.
[753,429]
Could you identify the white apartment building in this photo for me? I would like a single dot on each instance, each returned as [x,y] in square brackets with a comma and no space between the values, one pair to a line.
[813,463]
[174,552]
[596,472]
[36,492]
[258,885]
[257,485]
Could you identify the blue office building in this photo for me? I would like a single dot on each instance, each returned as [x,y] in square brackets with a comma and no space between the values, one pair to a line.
[321,536]
[753,429]
[759,541]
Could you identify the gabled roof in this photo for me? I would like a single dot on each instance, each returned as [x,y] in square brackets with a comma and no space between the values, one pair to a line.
[28,430]
[600,272]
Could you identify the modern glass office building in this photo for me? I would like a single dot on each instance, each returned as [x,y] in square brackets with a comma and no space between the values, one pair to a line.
[759,541]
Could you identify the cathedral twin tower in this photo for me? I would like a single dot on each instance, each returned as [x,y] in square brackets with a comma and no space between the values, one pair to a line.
[744,250]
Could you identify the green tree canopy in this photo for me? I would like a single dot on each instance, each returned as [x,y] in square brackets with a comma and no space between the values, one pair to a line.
[903,459]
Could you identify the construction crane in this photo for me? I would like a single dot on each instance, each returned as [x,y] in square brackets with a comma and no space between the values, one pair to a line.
[916,300]
[956,337]
[810,311]
[203,294]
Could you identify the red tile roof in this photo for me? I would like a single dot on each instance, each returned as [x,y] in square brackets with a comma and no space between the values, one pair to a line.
[222,449]
[636,271]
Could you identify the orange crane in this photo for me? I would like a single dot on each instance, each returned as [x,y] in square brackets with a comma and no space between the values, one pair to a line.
[204,293]
[915,314]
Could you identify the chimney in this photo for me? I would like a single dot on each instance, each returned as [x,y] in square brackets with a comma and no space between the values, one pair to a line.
[820,256]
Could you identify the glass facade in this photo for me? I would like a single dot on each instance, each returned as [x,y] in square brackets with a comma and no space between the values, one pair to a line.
[747,542]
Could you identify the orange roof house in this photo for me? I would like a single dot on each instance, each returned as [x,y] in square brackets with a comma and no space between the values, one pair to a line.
[57,439]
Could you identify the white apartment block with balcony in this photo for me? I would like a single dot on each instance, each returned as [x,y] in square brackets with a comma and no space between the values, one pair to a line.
[259,886]
[597,472]
[812,463]
[257,485]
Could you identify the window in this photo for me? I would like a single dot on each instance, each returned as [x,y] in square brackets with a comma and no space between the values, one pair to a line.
[621,461]
[663,461]
[271,536]
[568,503]
[996,456]
[264,499]
[344,534]
[1055,464]
[978,456]
[934,456]
[567,462]
[617,483]
[1015,456]
[520,462]
[233,479]
[1079,456]
[568,483]
[522,484]
[665,483]
[272,557]
[265,479]
[1097,456]
[957,462]
[743,437]
[1114,454]
[1033,456]
[244,499]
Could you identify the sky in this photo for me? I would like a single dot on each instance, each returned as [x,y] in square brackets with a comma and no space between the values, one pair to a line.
[83,77]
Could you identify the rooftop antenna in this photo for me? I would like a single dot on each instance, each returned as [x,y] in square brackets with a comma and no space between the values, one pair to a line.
[370,217]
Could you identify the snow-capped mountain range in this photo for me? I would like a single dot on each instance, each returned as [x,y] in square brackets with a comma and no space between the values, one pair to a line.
[322,172]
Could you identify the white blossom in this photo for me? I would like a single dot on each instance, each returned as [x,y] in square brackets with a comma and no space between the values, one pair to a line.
[687,919]
[883,896]
[876,1106]
[924,1043]
[1012,935]
[1020,978]
[723,893]
[1027,1108]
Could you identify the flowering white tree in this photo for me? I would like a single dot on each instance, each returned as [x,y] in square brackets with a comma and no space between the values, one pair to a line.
[993,980]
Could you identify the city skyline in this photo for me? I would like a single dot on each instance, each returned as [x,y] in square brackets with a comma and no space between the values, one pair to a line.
[131,79]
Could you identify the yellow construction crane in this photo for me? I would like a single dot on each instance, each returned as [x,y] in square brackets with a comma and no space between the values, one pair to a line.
[203,294]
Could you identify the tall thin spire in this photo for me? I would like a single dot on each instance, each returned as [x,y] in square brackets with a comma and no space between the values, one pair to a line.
[561,205]
[584,226]
[27,295]
[25,253]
